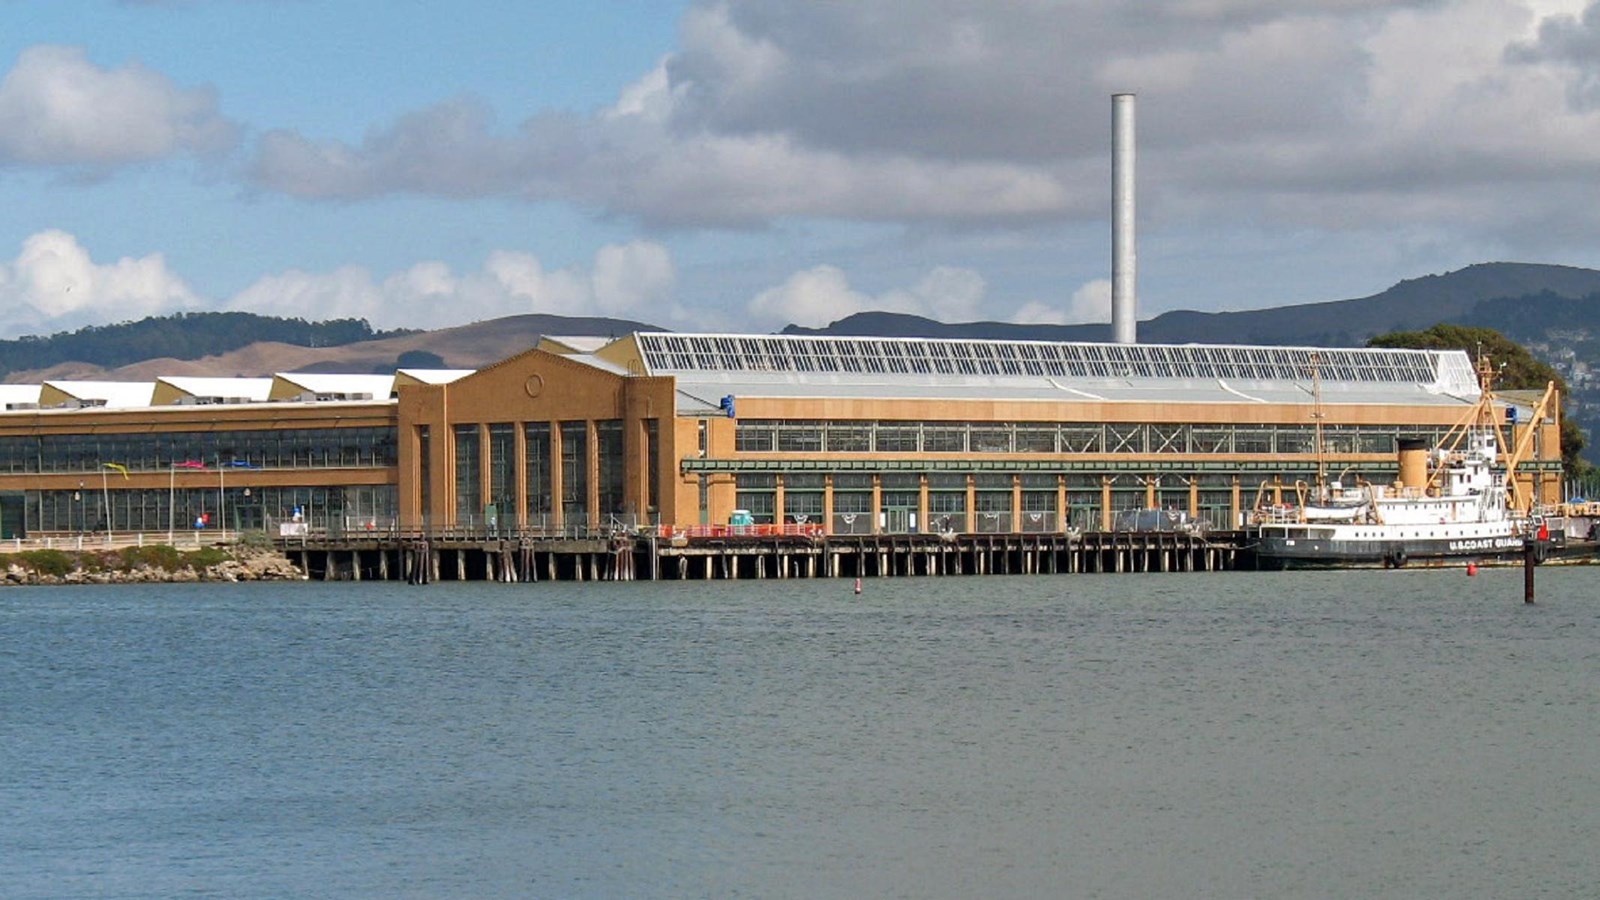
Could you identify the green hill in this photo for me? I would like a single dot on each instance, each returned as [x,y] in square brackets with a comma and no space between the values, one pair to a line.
[181,336]
[1477,295]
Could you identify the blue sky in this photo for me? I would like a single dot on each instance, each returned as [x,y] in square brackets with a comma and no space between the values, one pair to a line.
[735,165]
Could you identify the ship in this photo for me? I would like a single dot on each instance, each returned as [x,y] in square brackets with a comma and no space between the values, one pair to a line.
[1455,502]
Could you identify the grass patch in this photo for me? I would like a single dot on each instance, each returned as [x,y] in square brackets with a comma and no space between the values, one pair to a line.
[47,562]
[206,556]
[155,556]
[159,557]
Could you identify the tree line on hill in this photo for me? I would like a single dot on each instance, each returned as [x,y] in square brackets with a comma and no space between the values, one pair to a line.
[193,335]
[1518,370]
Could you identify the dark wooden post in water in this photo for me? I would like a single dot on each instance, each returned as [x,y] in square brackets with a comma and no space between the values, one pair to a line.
[1530,552]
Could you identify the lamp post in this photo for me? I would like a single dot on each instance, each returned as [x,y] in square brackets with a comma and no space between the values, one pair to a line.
[105,497]
[78,496]
[222,510]
[172,497]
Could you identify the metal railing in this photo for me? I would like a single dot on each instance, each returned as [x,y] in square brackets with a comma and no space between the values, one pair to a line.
[118,539]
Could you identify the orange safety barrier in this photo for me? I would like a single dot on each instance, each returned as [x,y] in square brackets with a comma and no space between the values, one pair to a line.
[717,531]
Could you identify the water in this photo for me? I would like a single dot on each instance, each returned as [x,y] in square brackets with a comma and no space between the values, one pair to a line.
[1347,734]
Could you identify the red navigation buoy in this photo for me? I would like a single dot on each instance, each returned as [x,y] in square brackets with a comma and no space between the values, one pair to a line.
[858,585]
[1472,568]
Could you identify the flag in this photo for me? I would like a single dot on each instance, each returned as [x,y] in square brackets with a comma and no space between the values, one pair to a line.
[189,464]
[119,467]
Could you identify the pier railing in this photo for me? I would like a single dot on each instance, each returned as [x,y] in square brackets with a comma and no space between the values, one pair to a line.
[751,551]
[542,532]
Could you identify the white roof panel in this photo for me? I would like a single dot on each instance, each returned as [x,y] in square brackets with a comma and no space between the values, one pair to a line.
[436,376]
[596,362]
[379,386]
[18,393]
[580,343]
[253,389]
[114,394]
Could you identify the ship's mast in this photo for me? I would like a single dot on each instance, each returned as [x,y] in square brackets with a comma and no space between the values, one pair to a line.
[1486,372]
[1488,422]
[1316,416]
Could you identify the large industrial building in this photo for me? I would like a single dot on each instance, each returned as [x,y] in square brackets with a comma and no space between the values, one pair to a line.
[833,434]
[849,435]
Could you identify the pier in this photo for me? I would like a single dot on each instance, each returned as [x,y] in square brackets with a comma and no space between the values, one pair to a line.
[732,554]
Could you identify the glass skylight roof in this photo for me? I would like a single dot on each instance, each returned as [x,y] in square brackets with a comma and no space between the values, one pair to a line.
[1450,371]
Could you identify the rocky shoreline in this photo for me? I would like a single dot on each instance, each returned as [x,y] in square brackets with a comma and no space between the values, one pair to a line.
[159,564]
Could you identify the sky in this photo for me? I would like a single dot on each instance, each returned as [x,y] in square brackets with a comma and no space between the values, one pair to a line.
[733,165]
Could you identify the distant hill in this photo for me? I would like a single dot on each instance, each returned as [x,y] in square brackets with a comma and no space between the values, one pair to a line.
[1482,294]
[1527,302]
[1554,311]
[1495,295]
[180,336]
[360,349]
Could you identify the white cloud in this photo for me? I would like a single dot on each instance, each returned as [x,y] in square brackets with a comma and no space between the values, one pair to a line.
[632,281]
[58,108]
[346,292]
[523,279]
[1089,303]
[1476,116]
[54,285]
[641,167]
[946,294]
[630,277]
[812,298]
[822,294]
[649,99]
[1569,40]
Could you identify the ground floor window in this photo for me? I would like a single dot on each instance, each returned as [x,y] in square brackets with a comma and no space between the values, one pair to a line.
[225,508]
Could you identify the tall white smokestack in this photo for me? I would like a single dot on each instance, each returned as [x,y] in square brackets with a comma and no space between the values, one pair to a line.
[1124,260]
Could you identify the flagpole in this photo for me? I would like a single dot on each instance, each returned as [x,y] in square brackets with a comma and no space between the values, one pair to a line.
[172,497]
[105,497]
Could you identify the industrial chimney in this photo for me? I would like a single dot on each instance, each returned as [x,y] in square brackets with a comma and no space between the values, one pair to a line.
[1124,264]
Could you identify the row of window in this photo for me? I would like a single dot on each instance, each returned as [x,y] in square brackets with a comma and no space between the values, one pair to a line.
[93,510]
[1001,482]
[285,448]
[899,499]
[991,510]
[540,457]
[853,436]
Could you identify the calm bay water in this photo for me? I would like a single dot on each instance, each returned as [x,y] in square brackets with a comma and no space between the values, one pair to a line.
[1348,734]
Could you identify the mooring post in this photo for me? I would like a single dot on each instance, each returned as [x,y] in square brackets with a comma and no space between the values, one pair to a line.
[1530,550]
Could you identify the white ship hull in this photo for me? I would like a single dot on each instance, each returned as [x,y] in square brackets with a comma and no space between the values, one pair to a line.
[1309,545]
[1452,504]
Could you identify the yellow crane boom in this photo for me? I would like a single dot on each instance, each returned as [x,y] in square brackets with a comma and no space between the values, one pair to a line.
[1546,404]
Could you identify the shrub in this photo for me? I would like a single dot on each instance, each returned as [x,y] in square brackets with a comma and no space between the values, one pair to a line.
[156,556]
[48,562]
[206,556]
[255,540]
